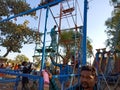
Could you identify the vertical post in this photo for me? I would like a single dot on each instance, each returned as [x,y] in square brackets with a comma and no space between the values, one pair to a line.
[84,44]
[43,49]
[41,83]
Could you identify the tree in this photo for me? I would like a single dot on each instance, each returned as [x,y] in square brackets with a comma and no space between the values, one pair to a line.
[89,48]
[12,35]
[20,58]
[71,42]
[114,1]
[113,30]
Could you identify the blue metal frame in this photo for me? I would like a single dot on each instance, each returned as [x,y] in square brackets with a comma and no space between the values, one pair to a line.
[84,44]
[43,57]
[45,31]
[53,3]
[17,73]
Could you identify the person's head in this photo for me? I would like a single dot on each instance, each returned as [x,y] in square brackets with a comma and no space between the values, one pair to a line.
[103,49]
[24,63]
[98,50]
[55,26]
[88,77]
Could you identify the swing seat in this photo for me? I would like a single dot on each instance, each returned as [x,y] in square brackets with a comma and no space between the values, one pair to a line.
[46,50]
[50,50]
[39,50]
[69,10]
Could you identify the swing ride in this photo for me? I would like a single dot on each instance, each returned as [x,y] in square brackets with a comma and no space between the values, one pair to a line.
[67,12]
[105,62]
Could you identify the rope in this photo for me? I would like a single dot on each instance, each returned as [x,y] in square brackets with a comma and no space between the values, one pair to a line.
[76,12]
[53,16]
[66,18]
[71,13]
[74,61]
[105,79]
[39,20]
[38,39]
[79,11]
[117,83]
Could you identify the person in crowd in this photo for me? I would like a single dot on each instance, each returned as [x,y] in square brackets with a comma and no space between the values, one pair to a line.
[46,77]
[2,67]
[16,67]
[25,70]
[49,81]
[88,78]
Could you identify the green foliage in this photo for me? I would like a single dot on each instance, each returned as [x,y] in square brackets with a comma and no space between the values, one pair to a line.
[13,36]
[71,41]
[12,7]
[21,58]
[114,0]
[66,38]
[89,48]
[113,31]
[18,59]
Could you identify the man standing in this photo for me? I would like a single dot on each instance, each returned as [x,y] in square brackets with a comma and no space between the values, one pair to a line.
[26,70]
[53,35]
[88,78]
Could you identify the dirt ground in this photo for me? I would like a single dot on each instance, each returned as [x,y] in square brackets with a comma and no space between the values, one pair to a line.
[10,86]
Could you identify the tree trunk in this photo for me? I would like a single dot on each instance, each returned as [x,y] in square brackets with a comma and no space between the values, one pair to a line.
[6,53]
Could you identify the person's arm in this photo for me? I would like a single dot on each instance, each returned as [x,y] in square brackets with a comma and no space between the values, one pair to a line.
[50,75]
[29,69]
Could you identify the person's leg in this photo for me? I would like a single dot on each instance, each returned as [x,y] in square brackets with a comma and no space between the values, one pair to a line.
[23,86]
[34,86]
[27,86]
[62,85]
[46,86]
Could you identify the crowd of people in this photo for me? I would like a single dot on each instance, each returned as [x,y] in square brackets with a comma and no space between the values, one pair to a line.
[88,76]
[24,67]
[10,66]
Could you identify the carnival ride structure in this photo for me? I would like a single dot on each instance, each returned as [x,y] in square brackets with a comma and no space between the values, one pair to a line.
[105,72]
[106,63]
[68,12]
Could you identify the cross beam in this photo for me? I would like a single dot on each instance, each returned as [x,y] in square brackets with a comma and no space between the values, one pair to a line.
[32,10]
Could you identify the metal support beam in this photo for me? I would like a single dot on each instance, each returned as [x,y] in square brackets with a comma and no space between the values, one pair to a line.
[43,49]
[84,44]
[32,10]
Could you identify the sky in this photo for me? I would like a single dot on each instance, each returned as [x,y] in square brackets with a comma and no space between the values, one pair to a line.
[99,11]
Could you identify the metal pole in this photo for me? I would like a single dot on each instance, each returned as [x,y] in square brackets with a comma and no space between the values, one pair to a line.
[43,49]
[84,45]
